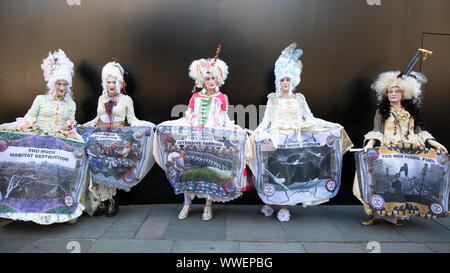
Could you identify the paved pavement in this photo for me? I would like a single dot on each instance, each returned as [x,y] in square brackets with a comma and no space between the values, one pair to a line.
[234,229]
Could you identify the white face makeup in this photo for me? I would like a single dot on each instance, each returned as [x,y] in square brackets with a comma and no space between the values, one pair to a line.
[61,87]
[285,84]
[210,82]
[111,86]
[394,94]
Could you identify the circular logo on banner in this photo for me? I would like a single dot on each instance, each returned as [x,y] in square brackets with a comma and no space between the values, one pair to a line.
[330,140]
[330,185]
[268,189]
[436,208]
[138,135]
[372,154]
[229,187]
[78,153]
[68,200]
[3,145]
[376,202]
[235,140]
[267,145]
[442,158]
[167,135]
[129,177]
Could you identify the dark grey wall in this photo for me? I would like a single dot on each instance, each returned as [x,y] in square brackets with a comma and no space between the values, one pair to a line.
[346,44]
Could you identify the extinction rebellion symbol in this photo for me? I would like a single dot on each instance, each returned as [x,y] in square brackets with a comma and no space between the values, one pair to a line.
[68,200]
[436,208]
[129,177]
[269,189]
[372,154]
[330,140]
[376,202]
[330,185]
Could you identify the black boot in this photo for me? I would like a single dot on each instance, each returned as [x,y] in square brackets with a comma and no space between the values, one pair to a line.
[101,208]
[113,207]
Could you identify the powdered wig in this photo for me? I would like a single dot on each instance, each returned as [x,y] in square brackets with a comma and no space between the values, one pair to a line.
[288,65]
[57,66]
[410,86]
[199,69]
[115,70]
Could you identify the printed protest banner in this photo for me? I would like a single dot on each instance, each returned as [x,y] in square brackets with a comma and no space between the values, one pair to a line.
[404,180]
[40,175]
[119,157]
[290,172]
[203,160]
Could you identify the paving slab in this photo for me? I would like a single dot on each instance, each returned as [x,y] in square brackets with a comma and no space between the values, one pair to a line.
[271,247]
[130,218]
[311,224]
[13,245]
[323,247]
[247,223]
[132,246]
[445,221]
[439,248]
[387,247]
[155,226]
[194,228]
[348,218]
[85,228]
[128,222]
[423,230]
[59,246]
[185,246]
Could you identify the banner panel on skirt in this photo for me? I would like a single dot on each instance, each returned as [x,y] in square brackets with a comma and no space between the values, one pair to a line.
[119,157]
[40,174]
[290,172]
[203,160]
[404,180]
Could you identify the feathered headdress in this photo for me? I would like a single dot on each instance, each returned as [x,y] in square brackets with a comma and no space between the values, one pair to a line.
[200,68]
[288,65]
[57,66]
[113,69]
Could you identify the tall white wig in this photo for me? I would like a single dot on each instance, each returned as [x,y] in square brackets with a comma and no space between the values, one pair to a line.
[57,66]
[409,85]
[115,70]
[199,69]
[288,65]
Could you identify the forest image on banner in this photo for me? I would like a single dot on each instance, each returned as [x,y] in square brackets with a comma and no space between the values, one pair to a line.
[40,174]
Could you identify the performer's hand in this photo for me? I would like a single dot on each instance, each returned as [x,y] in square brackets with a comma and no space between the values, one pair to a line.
[369,145]
[437,145]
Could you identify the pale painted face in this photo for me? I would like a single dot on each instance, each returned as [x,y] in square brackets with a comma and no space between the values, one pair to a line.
[394,94]
[285,84]
[61,87]
[210,82]
[111,84]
